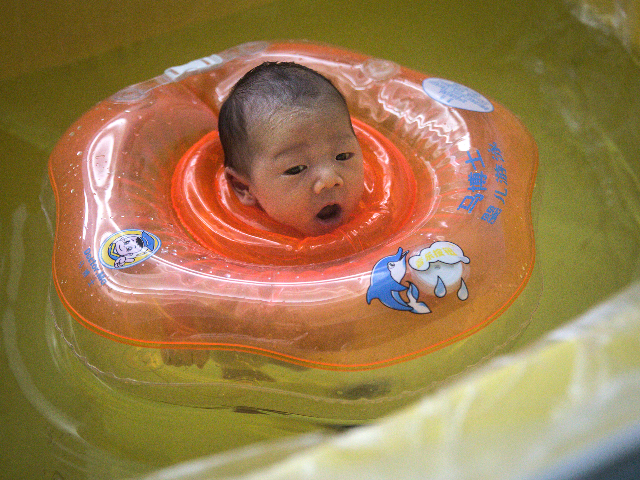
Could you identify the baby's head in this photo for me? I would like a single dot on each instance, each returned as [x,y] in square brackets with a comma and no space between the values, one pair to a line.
[290,148]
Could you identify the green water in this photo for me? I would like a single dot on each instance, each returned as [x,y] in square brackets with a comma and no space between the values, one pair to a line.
[576,89]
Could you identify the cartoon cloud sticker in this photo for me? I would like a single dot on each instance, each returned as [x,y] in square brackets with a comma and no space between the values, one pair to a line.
[440,266]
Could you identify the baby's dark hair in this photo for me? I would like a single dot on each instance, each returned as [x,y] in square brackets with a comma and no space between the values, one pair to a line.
[260,93]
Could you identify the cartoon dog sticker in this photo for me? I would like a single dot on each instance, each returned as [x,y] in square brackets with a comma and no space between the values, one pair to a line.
[127,248]
[386,287]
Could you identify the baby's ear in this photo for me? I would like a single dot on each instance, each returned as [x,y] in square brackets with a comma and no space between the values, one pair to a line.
[240,184]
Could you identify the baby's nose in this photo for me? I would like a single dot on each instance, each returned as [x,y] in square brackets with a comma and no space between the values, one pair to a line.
[329,178]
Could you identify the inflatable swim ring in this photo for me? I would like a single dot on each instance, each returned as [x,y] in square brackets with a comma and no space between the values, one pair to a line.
[154,253]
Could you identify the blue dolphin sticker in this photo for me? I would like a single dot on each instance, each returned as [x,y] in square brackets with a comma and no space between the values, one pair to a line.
[386,286]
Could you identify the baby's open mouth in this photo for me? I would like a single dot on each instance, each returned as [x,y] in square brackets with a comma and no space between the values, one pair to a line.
[330,212]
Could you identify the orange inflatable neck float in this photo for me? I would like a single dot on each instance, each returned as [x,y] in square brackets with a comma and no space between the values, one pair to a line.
[153,250]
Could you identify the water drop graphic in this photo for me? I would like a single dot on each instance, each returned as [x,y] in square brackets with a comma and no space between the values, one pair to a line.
[463,292]
[440,290]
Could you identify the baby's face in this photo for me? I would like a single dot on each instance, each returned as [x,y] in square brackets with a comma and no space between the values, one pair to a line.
[308,172]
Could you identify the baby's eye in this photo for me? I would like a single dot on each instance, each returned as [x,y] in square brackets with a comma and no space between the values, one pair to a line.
[295,170]
[341,157]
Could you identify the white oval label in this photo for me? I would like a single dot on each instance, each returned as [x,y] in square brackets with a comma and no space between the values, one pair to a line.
[454,95]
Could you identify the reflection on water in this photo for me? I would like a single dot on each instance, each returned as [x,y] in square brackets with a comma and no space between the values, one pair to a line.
[576,89]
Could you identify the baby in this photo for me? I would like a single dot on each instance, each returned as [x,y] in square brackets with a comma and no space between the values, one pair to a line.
[290,148]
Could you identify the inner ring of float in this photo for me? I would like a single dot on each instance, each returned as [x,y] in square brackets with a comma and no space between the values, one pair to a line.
[210,211]
[402,193]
